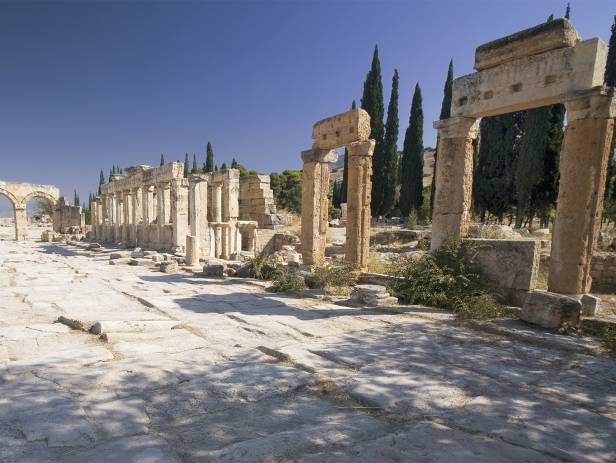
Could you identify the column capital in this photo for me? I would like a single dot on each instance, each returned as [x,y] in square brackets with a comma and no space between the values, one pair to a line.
[319,155]
[457,127]
[361,148]
[597,103]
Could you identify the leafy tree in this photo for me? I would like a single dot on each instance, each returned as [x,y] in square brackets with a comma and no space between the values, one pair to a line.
[223,166]
[76,199]
[609,79]
[186,169]
[287,189]
[101,181]
[568,11]
[162,159]
[445,114]
[209,158]
[372,102]
[234,164]
[390,151]
[194,169]
[411,180]
[494,180]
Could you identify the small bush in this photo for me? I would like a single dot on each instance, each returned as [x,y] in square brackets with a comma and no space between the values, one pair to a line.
[376,263]
[337,279]
[261,267]
[449,278]
[609,338]
[286,279]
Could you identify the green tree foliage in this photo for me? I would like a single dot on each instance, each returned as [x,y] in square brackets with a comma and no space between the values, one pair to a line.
[234,164]
[287,189]
[609,79]
[186,166]
[372,102]
[162,159]
[568,11]
[411,181]
[390,151]
[223,166]
[75,199]
[445,114]
[101,181]
[494,182]
[209,158]
[195,168]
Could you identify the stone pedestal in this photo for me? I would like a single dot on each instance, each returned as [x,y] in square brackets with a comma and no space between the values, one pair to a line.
[315,203]
[358,203]
[454,179]
[583,166]
[192,251]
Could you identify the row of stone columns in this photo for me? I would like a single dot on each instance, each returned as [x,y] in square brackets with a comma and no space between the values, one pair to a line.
[583,165]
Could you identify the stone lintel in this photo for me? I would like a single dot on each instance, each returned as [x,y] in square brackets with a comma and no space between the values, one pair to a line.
[361,148]
[319,155]
[597,103]
[547,36]
[530,81]
[457,127]
[341,129]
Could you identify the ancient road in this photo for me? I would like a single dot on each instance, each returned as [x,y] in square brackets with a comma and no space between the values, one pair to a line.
[193,369]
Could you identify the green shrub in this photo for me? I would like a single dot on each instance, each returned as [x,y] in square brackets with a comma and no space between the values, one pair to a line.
[337,279]
[286,279]
[449,278]
[261,267]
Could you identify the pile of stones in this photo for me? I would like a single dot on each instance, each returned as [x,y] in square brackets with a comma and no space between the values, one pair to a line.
[372,296]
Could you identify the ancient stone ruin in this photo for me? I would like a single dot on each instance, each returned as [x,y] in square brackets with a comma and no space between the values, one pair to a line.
[65,218]
[200,215]
[351,130]
[540,66]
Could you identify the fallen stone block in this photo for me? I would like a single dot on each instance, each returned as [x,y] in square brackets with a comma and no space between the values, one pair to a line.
[551,310]
[169,266]
[372,296]
[137,253]
[143,262]
[590,305]
[214,270]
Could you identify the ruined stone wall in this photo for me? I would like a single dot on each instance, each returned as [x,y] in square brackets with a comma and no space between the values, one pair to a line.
[603,272]
[256,200]
[67,218]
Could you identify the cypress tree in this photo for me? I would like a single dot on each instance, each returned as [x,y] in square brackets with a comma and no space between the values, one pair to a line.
[223,166]
[215,167]
[445,114]
[390,150]
[75,198]
[609,79]
[209,158]
[233,164]
[101,181]
[110,174]
[345,170]
[568,11]
[162,159]
[411,188]
[186,168]
[372,102]
[194,169]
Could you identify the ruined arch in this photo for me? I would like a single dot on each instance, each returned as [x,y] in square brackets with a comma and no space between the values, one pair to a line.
[19,193]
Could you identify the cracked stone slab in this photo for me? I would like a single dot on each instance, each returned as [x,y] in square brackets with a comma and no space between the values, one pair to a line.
[137,449]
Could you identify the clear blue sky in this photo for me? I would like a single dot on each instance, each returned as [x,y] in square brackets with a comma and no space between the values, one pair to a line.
[85,85]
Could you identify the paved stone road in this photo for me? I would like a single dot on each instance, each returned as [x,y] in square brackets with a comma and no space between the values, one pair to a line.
[193,369]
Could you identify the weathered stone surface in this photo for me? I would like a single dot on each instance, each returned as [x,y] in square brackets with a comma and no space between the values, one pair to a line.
[546,36]
[551,310]
[341,129]
[214,270]
[372,296]
[137,449]
[169,266]
[590,305]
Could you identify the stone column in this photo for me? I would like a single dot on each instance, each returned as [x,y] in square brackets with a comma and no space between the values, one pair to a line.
[147,206]
[117,217]
[179,198]
[198,216]
[217,203]
[217,240]
[137,214]
[454,179]
[358,203]
[127,206]
[315,203]
[162,206]
[192,251]
[21,223]
[583,166]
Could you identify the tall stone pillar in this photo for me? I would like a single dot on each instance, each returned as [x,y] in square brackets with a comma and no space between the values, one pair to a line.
[179,198]
[117,217]
[583,166]
[358,203]
[162,206]
[21,223]
[198,218]
[147,206]
[454,179]
[217,203]
[137,214]
[127,206]
[315,203]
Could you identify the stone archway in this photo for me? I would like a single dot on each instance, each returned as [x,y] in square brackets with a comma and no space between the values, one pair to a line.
[544,65]
[19,193]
